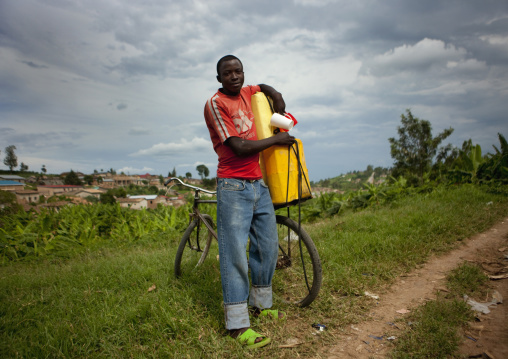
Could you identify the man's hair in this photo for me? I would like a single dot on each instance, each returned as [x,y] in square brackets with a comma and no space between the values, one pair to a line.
[224,59]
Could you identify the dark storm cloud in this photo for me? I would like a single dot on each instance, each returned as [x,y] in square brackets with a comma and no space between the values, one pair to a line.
[34,65]
[346,69]
[40,140]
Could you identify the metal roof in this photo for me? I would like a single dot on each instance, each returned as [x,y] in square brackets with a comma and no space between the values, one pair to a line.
[146,196]
[11,183]
[12,177]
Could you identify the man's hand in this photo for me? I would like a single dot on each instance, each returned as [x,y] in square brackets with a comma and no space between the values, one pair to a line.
[284,139]
[279,105]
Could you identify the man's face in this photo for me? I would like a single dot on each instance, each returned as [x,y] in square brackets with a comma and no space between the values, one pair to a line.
[231,77]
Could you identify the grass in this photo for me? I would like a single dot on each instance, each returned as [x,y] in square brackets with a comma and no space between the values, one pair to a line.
[468,279]
[103,303]
[437,325]
[434,332]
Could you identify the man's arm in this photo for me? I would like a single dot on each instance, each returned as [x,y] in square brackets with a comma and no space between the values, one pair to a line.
[279,105]
[244,148]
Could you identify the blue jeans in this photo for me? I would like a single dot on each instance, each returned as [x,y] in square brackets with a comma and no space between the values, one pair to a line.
[245,211]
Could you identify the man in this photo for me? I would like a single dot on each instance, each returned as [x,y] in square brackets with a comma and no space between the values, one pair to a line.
[244,207]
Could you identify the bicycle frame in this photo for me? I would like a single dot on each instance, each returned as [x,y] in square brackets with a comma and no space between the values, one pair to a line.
[195,211]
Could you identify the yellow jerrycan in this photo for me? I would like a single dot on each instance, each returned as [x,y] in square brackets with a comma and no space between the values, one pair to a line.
[284,168]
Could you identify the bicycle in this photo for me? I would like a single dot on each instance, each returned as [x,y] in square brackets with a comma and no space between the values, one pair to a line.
[298,275]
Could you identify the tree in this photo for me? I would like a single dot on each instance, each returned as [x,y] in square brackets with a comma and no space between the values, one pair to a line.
[172,173]
[9,203]
[89,179]
[23,167]
[188,175]
[92,199]
[209,182]
[495,167]
[119,192]
[202,171]
[107,198]
[415,149]
[43,169]
[10,160]
[7,198]
[72,179]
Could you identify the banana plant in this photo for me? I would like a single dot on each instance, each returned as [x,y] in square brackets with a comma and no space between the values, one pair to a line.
[474,159]
[376,193]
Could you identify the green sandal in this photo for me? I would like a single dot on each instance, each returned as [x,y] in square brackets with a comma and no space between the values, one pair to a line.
[272,314]
[248,338]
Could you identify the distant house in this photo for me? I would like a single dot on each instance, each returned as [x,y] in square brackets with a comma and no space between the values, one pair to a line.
[107,182]
[147,176]
[52,190]
[175,201]
[52,181]
[317,191]
[156,182]
[27,196]
[144,201]
[121,181]
[56,206]
[151,200]
[65,174]
[7,185]
[133,203]
[193,181]
[13,178]
[85,192]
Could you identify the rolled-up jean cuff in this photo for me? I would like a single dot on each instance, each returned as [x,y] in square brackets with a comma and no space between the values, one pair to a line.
[236,315]
[261,297]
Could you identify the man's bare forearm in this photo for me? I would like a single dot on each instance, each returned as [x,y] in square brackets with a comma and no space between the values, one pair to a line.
[245,148]
[279,105]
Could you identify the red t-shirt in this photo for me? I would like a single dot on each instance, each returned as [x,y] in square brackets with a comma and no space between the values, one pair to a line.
[231,116]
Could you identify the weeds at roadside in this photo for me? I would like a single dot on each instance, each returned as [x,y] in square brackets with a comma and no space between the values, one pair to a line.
[434,329]
[468,279]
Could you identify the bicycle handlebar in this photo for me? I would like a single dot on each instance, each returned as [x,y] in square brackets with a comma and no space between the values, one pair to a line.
[188,185]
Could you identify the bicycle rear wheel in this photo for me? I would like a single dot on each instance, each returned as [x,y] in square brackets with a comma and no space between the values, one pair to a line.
[194,246]
[298,275]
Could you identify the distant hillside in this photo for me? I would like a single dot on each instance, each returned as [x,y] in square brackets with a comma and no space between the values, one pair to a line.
[354,180]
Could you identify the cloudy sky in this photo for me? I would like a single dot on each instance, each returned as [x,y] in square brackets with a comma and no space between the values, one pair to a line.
[100,84]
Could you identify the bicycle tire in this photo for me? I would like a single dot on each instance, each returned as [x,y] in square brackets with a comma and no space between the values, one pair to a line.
[295,281]
[194,246]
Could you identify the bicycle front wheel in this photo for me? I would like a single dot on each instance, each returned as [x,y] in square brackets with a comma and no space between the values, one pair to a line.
[298,275]
[193,247]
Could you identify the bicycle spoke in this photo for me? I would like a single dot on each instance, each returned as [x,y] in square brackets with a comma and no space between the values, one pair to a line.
[297,277]
[193,249]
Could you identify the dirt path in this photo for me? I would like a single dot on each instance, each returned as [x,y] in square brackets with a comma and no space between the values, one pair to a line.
[491,334]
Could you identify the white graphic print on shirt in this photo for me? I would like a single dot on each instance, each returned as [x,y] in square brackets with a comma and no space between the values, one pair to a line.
[242,123]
